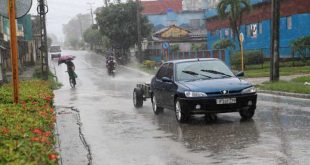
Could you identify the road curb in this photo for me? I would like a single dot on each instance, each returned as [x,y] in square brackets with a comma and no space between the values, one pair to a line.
[298,95]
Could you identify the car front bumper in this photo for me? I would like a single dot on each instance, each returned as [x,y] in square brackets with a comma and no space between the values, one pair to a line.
[209,105]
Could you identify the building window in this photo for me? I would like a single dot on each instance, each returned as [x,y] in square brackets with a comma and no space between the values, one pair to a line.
[248,30]
[289,22]
[195,23]
[260,28]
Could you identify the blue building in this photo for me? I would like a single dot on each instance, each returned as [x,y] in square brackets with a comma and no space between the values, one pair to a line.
[256,25]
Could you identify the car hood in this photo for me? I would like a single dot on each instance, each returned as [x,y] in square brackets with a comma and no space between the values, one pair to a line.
[214,86]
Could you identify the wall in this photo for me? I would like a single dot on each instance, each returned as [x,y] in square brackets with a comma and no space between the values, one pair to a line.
[299,12]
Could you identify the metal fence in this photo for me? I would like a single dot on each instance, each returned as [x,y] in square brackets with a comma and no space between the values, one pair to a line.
[159,55]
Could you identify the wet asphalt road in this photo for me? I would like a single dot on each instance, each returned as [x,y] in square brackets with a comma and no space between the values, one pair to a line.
[118,134]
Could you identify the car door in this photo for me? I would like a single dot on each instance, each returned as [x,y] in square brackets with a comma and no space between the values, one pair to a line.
[159,85]
[169,88]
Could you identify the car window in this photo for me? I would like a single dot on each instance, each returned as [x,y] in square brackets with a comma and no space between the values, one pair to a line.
[169,72]
[194,70]
[55,49]
[162,71]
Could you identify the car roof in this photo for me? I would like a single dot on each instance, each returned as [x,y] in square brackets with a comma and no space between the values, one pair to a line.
[191,60]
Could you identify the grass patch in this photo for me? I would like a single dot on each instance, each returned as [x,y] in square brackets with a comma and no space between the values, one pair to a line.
[294,86]
[26,129]
[284,71]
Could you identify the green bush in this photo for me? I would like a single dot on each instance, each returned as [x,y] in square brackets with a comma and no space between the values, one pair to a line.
[26,129]
[149,63]
[223,44]
[249,58]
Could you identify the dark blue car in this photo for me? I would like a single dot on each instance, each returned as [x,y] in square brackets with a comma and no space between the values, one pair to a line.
[201,86]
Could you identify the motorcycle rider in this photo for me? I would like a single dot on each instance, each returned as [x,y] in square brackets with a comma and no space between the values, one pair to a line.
[110,64]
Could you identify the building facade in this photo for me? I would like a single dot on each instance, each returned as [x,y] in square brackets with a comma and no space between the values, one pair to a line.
[256,25]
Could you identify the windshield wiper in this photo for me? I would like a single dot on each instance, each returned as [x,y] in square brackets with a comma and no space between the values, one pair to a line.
[216,72]
[194,73]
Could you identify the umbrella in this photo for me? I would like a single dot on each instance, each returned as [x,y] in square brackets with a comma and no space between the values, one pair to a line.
[65,58]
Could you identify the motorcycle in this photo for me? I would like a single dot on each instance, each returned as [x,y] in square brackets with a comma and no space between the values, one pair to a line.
[111,67]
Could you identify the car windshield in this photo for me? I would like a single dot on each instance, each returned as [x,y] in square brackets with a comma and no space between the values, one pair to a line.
[196,70]
[55,49]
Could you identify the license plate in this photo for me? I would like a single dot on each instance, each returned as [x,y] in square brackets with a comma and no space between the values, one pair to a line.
[226,101]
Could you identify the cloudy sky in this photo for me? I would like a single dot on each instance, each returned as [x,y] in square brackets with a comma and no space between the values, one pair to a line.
[61,11]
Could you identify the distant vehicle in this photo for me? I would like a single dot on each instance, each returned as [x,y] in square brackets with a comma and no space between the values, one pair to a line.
[198,86]
[55,51]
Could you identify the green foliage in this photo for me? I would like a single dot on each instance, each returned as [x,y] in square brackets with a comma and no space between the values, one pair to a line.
[301,46]
[92,36]
[197,47]
[233,11]
[26,129]
[118,22]
[149,64]
[249,58]
[174,48]
[223,44]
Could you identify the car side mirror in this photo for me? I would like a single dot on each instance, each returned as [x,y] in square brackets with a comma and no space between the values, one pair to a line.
[240,74]
[166,79]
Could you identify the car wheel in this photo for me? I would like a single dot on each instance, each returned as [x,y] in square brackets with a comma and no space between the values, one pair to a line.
[247,113]
[156,108]
[180,112]
[137,97]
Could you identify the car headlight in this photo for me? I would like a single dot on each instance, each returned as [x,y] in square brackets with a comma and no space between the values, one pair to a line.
[194,94]
[249,90]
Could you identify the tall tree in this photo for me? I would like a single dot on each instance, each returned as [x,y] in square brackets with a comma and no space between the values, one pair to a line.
[118,22]
[74,29]
[92,36]
[233,11]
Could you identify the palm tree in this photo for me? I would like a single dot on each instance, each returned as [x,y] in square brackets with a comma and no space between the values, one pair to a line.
[233,10]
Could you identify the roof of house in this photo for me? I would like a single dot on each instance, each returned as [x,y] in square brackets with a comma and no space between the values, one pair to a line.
[161,6]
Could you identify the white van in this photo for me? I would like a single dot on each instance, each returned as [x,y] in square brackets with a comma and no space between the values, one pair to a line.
[55,51]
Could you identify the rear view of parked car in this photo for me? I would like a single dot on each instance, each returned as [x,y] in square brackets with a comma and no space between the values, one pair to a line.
[55,51]
[201,86]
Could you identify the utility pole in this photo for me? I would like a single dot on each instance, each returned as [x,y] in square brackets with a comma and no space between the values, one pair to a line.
[274,59]
[139,31]
[14,49]
[42,11]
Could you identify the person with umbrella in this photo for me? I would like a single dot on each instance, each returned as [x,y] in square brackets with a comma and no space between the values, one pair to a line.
[70,68]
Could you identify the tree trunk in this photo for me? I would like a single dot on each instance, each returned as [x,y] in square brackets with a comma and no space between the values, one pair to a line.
[274,59]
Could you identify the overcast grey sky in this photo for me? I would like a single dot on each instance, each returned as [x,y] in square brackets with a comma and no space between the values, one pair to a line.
[61,11]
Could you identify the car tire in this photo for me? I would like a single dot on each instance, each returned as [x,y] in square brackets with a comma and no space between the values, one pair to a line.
[155,107]
[180,112]
[247,113]
[137,97]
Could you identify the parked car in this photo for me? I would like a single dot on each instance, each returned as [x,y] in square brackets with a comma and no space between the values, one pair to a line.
[55,51]
[201,86]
